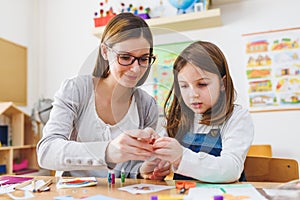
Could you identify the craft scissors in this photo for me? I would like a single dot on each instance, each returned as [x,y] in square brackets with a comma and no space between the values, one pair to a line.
[182,186]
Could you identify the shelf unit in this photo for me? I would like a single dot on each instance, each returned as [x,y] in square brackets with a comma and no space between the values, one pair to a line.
[23,138]
[183,22]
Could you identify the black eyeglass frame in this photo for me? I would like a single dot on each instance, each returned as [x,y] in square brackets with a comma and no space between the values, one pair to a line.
[150,57]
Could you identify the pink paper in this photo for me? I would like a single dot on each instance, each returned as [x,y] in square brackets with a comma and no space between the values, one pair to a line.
[14,179]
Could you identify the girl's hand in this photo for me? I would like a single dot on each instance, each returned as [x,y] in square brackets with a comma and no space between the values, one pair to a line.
[155,169]
[169,149]
[130,145]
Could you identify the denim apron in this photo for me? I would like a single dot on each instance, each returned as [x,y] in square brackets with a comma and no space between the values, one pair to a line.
[210,143]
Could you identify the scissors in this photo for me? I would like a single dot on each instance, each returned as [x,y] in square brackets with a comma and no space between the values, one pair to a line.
[185,185]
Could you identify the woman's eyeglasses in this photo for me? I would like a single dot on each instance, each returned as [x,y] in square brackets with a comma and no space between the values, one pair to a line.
[127,59]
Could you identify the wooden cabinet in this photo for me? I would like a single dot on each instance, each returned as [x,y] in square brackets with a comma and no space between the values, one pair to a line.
[22,138]
[184,22]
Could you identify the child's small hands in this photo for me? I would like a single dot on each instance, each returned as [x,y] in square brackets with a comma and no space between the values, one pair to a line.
[155,169]
[169,149]
[161,171]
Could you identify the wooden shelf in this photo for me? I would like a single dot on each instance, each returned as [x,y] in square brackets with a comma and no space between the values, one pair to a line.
[23,138]
[17,147]
[184,22]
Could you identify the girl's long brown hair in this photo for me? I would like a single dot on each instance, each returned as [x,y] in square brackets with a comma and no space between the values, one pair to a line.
[208,57]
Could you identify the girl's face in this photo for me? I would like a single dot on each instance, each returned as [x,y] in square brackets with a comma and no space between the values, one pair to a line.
[123,52]
[200,89]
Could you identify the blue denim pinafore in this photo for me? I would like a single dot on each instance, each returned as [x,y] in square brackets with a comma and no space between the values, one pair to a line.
[210,143]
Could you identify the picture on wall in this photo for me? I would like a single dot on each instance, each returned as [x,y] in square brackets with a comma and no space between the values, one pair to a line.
[162,72]
[272,61]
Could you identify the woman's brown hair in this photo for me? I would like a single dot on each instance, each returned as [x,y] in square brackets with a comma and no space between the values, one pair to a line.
[122,27]
[208,57]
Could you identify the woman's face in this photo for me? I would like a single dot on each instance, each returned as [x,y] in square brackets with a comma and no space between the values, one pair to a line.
[200,89]
[136,49]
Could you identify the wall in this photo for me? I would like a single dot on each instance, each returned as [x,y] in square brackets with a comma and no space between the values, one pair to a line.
[68,41]
[63,31]
[280,129]
[18,22]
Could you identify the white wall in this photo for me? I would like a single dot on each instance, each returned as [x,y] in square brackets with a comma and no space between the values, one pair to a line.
[280,129]
[63,32]
[18,22]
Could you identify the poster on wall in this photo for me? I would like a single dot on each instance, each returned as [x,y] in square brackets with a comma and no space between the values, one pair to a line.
[162,72]
[272,61]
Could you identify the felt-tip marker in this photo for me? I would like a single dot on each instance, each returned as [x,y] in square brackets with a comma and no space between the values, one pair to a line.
[122,176]
[112,178]
[21,185]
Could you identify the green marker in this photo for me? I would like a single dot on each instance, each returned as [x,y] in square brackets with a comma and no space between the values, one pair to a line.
[122,176]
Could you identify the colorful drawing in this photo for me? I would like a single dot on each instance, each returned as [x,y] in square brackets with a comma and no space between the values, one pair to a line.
[260,60]
[286,70]
[258,73]
[262,100]
[162,70]
[285,43]
[260,86]
[290,98]
[257,46]
[273,76]
[288,84]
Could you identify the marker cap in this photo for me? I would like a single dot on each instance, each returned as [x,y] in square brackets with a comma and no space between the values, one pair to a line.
[218,197]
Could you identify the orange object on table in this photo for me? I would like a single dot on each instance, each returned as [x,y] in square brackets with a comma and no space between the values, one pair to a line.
[185,185]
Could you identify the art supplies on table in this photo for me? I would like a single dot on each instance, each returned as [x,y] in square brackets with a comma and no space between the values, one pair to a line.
[45,186]
[33,186]
[25,186]
[111,179]
[183,186]
[228,191]
[145,188]
[8,183]
[122,176]
[13,179]
[76,182]
[167,197]
[21,185]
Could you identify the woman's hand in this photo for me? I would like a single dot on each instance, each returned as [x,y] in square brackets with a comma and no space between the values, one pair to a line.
[131,145]
[155,169]
[169,149]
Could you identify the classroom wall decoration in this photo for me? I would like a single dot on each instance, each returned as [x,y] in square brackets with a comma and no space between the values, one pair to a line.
[273,69]
[13,72]
[162,72]
[106,9]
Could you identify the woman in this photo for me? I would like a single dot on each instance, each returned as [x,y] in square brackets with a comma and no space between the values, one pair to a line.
[103,121]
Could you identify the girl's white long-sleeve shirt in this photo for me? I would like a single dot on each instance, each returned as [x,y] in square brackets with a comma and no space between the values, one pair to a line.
[237,134]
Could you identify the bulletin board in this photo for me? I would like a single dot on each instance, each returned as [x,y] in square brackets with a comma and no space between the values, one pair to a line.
[13,72]
[272,62]
[162,70]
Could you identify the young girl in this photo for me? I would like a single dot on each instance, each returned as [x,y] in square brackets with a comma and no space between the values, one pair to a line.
[209,134]
[103,121]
